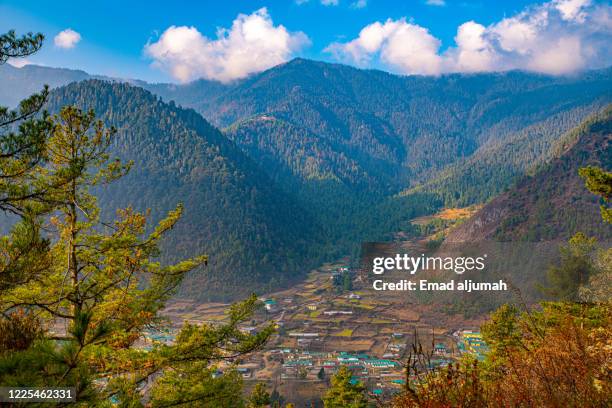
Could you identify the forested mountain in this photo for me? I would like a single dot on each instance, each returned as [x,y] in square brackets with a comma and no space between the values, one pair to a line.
[314,158]
[255,234]
[395,130]
[553,203]
[498,162]
[291,153]
[399,130]
[371,128]
[345,141]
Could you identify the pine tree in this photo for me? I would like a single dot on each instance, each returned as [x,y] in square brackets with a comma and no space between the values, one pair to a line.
[24,253]
[598,288]
[343,393]
[104,289]
[574,269]
[347,282]
[599,182]
[321,374]
[23,136]
[259,397]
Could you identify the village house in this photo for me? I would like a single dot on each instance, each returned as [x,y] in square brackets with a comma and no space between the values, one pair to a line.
[270,305]
[337,312]
[440,349]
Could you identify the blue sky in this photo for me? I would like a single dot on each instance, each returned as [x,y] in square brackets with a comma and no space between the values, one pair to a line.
[124,39]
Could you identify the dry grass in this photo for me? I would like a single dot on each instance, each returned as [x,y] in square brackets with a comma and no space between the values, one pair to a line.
[344,333]
[448,214]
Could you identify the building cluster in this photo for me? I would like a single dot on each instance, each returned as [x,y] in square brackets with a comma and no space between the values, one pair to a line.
[470,341]
[379,374]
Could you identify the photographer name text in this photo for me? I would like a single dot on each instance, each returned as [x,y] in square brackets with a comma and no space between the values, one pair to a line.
[424,285]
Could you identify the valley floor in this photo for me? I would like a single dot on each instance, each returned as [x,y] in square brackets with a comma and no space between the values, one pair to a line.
[320,328]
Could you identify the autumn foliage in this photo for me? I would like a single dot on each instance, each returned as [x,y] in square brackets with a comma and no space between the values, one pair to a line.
[557,356]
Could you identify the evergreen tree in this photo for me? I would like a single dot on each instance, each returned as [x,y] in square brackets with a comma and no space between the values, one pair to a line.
[104,288]
[321,374]
[574,268]
[343,393]
[599,286]
[347,282]
[24,195]
[13,47]
[599,182]
[259,396]
[23,136]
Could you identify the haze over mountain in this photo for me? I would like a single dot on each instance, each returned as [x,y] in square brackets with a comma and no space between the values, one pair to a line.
[314,158]
[30,79]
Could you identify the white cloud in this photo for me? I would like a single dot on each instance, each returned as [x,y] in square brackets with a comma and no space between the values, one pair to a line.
[572,9]
[561,56]
[515,35]
[67,39]
[407,47]
[359,4]
[438,3]
[557,37]
[252,44]
[473,52]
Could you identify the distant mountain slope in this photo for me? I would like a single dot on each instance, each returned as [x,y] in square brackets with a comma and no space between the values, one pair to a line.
[30,79]
[553,203]
[374,129]
[497,163]
[345,140]
[400,130]
[290,152]
[190,95]
[256,236]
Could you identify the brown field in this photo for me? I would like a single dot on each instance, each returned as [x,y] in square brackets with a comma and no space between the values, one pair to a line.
[403,314]
[448,214]
[347,344]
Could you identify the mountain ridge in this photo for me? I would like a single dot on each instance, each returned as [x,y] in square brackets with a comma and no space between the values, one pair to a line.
[553,202]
